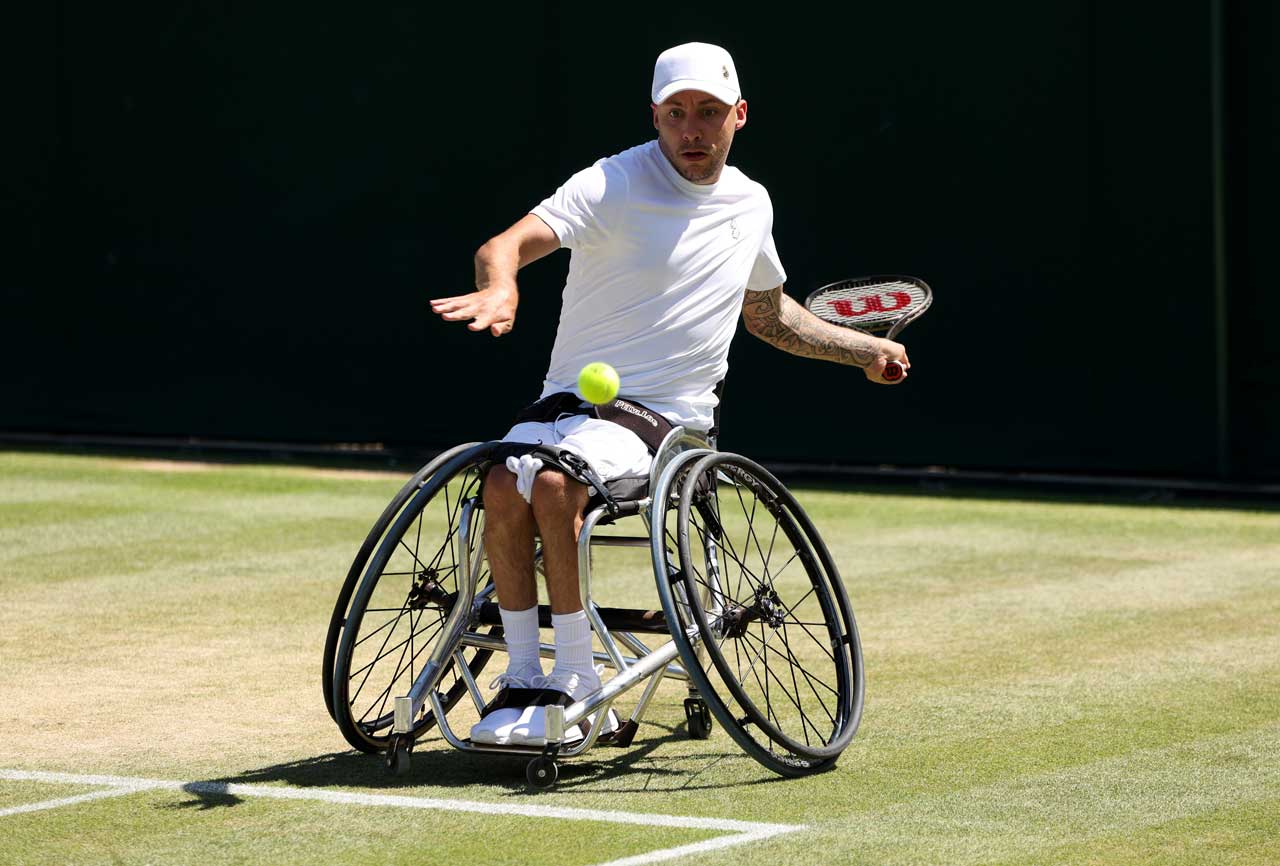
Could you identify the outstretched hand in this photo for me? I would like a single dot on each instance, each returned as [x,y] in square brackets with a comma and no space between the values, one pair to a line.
[493,308]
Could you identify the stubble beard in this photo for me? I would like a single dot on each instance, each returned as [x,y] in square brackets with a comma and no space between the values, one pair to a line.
[695,173]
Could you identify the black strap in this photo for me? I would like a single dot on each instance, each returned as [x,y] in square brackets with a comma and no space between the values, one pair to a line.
[559,458]
[714,432]
[580,469]
[651,427]
[550,408]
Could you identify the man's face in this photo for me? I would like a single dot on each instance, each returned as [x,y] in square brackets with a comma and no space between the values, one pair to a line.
[695,130]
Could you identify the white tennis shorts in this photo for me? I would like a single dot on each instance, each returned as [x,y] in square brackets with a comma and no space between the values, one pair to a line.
[612,450]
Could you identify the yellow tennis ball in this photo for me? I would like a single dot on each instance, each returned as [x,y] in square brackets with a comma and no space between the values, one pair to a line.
[598,383]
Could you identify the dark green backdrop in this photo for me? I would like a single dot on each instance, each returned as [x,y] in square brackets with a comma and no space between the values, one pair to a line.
[225,222]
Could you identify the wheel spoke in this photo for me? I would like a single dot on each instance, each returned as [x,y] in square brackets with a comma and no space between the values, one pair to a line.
[726,545]
[422,564]
[757,678]
[388,624]
[819,643]
[385,693]
[794,699]
[368,669]
[809,679]
[751,669]
[795,685]
[751,527]
[405,644]
[806,723]
[382,655]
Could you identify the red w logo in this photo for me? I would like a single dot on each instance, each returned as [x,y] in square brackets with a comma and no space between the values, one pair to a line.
[872,304]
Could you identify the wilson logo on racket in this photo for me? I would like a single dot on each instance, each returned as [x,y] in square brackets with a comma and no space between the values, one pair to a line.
[871,304]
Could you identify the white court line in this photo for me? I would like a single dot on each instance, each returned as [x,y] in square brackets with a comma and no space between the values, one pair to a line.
[66,801]
[740,831]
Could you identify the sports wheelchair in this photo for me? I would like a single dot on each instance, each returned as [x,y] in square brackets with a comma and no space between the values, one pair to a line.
[757,620]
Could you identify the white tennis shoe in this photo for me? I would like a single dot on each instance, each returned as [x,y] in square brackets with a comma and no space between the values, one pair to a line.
[562,688]
[504,711]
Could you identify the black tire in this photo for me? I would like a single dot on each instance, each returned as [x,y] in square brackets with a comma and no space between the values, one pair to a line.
[339,617]
[541,773]
[400,606]
[781,667]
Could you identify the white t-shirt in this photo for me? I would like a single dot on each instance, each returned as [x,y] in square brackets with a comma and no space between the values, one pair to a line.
[656,277]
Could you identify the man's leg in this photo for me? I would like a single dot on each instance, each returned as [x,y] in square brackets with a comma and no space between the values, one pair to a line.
[508,540]
[557,509]
[509,543]
[558,502]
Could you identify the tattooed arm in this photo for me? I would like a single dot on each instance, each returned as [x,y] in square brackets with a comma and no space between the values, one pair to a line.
[778,320]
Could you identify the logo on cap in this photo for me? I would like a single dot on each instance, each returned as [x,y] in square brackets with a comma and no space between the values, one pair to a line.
[725,70]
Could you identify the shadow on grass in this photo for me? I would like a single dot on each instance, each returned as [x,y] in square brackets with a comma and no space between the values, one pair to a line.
[635,770]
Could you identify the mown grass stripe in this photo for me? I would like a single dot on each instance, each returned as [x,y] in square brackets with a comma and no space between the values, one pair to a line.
[740,831]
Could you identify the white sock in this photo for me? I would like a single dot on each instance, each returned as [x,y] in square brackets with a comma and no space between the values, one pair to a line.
[573,652]
[520,629]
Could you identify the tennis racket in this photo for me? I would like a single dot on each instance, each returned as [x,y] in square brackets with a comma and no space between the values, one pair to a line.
[880,306]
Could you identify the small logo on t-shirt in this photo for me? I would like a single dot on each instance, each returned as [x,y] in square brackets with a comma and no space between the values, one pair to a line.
[734,231]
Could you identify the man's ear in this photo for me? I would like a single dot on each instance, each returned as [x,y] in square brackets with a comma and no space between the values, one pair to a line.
[740,109]
[655,115]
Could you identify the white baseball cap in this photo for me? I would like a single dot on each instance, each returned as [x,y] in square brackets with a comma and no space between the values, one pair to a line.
[696,66]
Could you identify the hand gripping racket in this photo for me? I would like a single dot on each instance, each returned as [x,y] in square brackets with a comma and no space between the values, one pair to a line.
[881,306]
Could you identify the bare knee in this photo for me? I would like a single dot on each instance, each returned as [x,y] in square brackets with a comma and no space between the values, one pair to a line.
[557,497]
[501,498]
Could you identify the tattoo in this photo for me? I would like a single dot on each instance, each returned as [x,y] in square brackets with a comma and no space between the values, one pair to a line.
[778,320]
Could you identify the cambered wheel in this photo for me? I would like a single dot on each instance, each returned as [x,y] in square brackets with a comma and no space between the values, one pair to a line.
[338,618]
[397,613]
[776,653]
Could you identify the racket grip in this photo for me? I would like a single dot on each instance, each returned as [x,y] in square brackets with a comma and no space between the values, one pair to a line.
[892,371]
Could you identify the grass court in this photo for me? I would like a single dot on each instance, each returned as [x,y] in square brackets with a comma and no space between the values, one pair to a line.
[1050,680]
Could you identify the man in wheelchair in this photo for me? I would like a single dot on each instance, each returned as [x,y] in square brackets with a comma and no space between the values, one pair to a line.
[668,244]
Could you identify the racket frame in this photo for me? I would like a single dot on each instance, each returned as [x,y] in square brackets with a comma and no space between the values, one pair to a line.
[894,327]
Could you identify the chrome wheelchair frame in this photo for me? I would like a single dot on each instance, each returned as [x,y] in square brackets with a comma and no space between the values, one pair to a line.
[447,610]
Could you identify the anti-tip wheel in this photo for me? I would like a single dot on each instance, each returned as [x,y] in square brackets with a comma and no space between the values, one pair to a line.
[399,756]
[542,772]
[698,716]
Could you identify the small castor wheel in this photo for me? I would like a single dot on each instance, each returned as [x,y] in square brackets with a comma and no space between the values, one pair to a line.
[542,772]
[699,718]
[398,755]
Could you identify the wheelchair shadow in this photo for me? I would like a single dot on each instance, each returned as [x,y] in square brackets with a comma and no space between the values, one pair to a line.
[636,769]
[640,768]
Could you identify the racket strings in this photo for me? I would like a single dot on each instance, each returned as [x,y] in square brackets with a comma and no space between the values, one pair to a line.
[868,304]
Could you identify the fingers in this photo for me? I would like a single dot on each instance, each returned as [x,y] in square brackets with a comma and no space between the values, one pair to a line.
[481,311]
[457,309]
[497,327]
[876,372]
[453,312]
[892,365]
[439,305]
